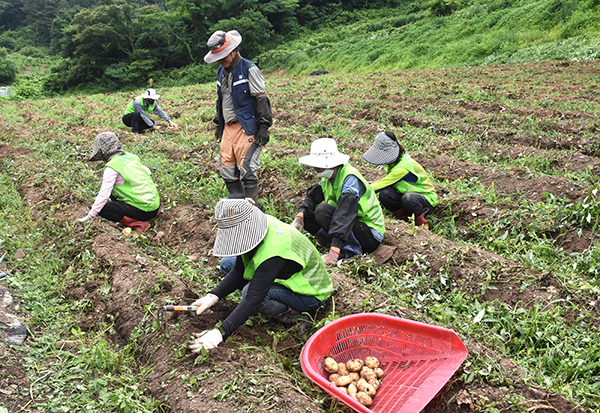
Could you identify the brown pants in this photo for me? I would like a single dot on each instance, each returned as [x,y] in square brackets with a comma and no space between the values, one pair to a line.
[240,155]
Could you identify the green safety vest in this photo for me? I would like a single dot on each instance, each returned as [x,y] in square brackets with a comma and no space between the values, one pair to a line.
[423,185]
[282,240]
[138,189]
[369,209]
[140,99]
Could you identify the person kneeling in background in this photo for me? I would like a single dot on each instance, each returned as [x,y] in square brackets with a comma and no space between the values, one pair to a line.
[127,195]
[407,189]
[278,270]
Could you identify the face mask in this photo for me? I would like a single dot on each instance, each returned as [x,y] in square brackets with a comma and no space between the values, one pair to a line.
[327,173]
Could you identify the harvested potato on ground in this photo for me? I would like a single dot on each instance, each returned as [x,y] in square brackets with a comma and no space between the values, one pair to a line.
[372,362]
[330,365]
[379,372]
[342,370]
[375,383]
[333,377]
[364,399]
[352,390]
[355,364]
[343,381]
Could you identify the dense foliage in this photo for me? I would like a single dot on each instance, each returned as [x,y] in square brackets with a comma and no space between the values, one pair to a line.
[101,45]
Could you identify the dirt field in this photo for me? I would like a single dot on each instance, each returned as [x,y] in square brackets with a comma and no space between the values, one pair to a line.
[503,114]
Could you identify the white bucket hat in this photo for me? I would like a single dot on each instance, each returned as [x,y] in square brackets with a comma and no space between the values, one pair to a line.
[242,226]
[324,154]
[384,150]
[221,44]
[150,94]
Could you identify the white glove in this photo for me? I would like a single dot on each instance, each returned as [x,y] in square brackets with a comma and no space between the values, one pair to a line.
[207,339]
[173,125]
[298,223]
[85,218]
[205,302]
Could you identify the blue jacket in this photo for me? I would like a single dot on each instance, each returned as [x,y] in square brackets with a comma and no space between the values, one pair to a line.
[243,102]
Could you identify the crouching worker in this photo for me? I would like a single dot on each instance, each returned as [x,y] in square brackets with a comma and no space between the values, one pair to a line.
[342,210]
[136,114]
[127,195]
[406,190]
[278,270]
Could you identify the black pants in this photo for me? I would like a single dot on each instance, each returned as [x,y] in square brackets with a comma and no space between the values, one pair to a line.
[116,210]
[135,122]
[413,203]
[322,219]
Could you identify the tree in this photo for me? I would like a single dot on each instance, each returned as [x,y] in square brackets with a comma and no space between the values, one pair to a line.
[8,69]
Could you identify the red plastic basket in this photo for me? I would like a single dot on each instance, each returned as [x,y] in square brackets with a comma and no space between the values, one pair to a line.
[418,359]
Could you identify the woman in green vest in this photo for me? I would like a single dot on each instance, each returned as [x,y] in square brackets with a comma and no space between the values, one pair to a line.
[127,195]
[136,114]
[341,211]
[278,270]
[407,189]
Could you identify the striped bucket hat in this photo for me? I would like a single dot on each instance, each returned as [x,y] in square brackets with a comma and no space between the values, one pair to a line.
[242,226]
[384,150]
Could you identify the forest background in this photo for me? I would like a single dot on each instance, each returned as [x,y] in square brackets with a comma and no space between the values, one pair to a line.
[53,46]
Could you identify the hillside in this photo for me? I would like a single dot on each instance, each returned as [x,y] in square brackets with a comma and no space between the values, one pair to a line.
[510,262]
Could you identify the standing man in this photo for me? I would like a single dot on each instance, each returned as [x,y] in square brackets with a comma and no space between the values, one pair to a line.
[136,115]
[243,114]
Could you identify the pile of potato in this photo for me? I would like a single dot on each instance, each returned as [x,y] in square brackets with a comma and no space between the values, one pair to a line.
[358,378]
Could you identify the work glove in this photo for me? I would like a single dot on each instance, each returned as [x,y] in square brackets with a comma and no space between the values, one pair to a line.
[262,136]
[298,222]
[205,302]
[173,124]
[85,219]
[332,257]
[207,339]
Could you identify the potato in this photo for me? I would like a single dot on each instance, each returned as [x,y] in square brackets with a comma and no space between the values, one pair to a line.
[342,370]
[379,372]
[372,362]
[368,374]
[344,389]
[333,377]
[354,364]
[375,383]
[354,376]
[330,365]
[352,390]
[343,381]
[364,399]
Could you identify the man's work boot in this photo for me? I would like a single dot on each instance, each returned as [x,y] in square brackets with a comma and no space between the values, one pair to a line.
[421,221]
[236,189]
[251,190]
[401,214]
[138,226]
[351,248]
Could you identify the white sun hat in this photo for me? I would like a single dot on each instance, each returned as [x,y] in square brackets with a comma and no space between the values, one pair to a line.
[324,154]
[384,150]
[150,94]
[242,226]
[221,44]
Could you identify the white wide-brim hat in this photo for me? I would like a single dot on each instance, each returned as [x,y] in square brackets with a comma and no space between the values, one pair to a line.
[384,150]
[324,154]
[242,226]
[151,94]
[221,44]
